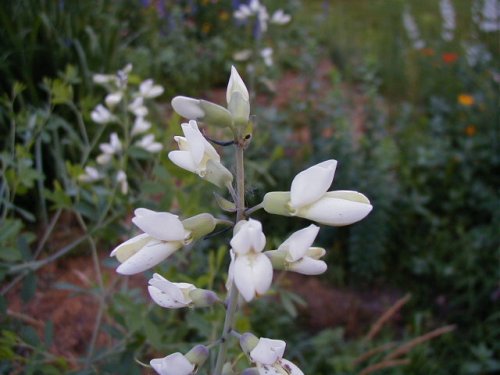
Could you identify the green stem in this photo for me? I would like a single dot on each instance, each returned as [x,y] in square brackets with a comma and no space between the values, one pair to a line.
[232,302]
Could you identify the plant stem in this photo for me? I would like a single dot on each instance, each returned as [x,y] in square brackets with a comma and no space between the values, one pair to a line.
[232,301]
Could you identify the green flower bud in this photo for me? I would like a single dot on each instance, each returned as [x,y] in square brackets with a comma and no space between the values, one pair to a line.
[278,259]
[217,174]
[215,114]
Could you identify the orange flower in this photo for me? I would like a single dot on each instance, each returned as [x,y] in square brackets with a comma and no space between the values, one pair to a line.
[466,100]
[470,130]
[449,57]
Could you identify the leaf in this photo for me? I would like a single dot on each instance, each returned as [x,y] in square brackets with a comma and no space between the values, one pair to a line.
[29,287]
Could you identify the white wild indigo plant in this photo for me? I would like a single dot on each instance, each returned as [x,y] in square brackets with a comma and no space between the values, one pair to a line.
[251,267]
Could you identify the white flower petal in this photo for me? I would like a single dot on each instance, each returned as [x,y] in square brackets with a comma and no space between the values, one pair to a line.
[299,242]
[308,266]
[173,364]
[268,351]
[148,256]
[195,140]
[188,107]
[290,368]
[248,237]
[160,225]
[130,247]
[183,159]
[311,184]
[252,274]
[336,211]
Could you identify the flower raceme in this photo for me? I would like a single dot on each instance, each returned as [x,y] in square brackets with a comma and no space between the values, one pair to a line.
[196,155]
[296,253]
[164,234]
[250,269]
[309,198]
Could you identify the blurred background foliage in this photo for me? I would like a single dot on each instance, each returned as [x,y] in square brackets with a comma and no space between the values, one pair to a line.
[416,130]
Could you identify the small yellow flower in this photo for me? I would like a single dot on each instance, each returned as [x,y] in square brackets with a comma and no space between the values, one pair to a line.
[470,130]
[223,16]
[466,100]
[206,27]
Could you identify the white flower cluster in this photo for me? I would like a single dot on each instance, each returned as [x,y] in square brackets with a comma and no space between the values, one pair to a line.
[412,30]
[132,102]
[260,13]
[251,269]
[489,19]
[448,15]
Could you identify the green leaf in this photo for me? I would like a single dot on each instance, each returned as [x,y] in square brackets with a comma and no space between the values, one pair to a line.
[29,287]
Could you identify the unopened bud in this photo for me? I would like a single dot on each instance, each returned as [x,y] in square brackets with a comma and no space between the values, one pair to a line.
[203,297]
[198,355]
[215,114]
[200,225]
[188,107]
[248,341]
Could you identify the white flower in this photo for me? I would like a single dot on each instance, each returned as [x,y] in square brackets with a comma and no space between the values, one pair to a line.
[267,55]
[309,198]
[121,178]
[137,107]
[147,89]
[448,15]
[268,356]
[490,16]
[412,30]
[173,364]
[102,115]
[251,271]
[103,78]
[91,175]
[113,99]
[198,156]
[148,143]
[113,147]
[170,295]
[140,126]
[188,107]
[236,85]
[242,13]
[163,234]
[296,253]
[279,17]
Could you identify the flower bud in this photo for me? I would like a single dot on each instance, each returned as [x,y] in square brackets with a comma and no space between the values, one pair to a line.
[198,355]
[203,297]
[238,99]
[248,342]
[215,114]
[199,225]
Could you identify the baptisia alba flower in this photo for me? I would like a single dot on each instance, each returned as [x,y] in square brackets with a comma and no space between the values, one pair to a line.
[101,115]
[149,144]
[180,364]
[196,155]
[109,149]
[147,89]
[121,178]
[296,253]
[164,234]
[309,198]
[279,17]
[140,126]
[250,269]
[267,354]
[91,175]
[178,295]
